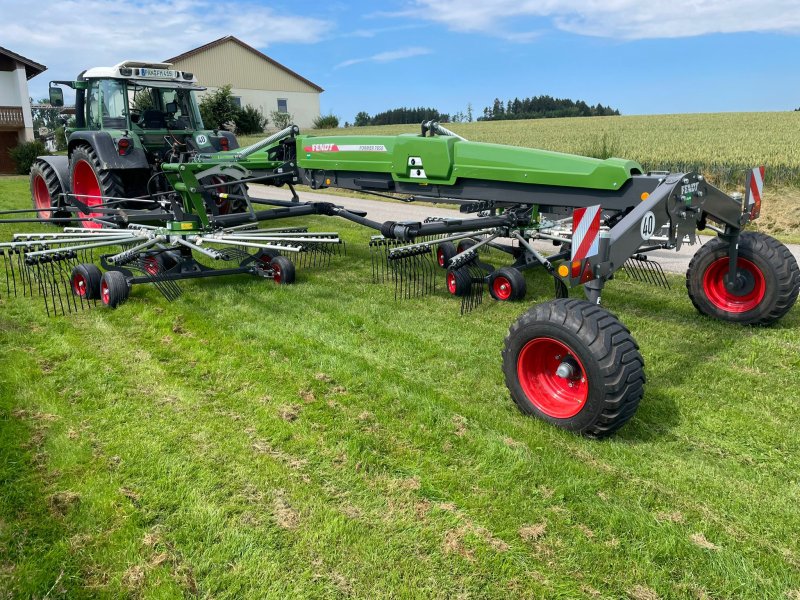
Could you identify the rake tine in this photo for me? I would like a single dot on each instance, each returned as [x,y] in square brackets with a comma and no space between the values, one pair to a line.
[56,288]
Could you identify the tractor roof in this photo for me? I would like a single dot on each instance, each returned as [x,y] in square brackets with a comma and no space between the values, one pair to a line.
[141,71]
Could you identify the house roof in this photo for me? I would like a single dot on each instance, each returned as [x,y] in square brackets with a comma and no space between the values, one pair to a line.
[231,38]
[32,68]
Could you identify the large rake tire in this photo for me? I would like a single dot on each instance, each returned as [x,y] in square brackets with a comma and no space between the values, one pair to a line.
[90,182]
[46,192]
[507,285]
[574,365]
[768,274]
[459,281]
[85,281]
[114,289]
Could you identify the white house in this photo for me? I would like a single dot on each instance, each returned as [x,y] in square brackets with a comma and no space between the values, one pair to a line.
[255,78]
[16,121]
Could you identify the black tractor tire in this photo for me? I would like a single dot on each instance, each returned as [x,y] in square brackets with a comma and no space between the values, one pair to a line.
[444,252]
[114,289]
[46,192]
[459,281]
[226,206]
[283,270]
[573,364]
[769,275]
[507,284]
[85,281]
[89,181]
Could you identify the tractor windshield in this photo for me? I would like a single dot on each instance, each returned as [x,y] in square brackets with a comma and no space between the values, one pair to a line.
[162,108]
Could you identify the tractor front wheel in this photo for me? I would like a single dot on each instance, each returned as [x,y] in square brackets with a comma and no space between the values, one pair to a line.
[767,284]
[574,365]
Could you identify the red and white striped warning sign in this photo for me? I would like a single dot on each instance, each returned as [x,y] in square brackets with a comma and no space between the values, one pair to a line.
[755,185]
[585,232]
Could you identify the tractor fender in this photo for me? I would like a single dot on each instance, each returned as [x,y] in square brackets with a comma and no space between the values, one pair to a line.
[107,152]
[59,164]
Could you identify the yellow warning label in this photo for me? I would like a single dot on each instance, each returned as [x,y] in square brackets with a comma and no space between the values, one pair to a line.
[187,225]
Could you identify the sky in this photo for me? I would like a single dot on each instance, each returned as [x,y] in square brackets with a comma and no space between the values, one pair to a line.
[639,57]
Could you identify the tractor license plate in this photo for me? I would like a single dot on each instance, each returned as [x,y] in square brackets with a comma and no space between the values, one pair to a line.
[160,73]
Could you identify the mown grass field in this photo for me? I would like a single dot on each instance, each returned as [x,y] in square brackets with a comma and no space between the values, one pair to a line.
[322,440]
[722,146]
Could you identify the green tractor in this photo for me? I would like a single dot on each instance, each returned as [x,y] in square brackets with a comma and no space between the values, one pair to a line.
[130,119]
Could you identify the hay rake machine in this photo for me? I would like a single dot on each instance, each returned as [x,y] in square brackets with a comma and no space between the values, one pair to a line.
[568,361]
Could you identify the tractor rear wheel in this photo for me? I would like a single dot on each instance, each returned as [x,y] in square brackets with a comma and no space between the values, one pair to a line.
[91,183]
[46,192]
[282,270]
[444,252]
[85,281]
[507,284]
[573,364]
[114,289]
[769,280]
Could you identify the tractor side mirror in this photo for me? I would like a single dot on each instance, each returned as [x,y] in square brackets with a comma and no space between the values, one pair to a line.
[56,96]
[172,107]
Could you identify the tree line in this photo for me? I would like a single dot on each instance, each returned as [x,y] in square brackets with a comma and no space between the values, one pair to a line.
[400,116]
[543,107]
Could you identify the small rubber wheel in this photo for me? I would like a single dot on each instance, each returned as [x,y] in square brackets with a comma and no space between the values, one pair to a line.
[573,364]
[459,281]
[114,289]
[465,244]
[769,280]
[159,262]
[444,252]
[85,281]
[282,270]
[507,284]
[265,257]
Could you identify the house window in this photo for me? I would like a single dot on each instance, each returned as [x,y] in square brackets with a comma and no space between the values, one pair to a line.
[283,105]
[237,100]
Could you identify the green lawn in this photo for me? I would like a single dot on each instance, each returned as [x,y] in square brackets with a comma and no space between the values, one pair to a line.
[322,440]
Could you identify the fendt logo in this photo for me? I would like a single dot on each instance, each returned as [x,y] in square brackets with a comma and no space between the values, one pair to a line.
[322,148]
[689,189]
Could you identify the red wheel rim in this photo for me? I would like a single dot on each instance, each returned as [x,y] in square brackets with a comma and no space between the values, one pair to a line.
[440,256]
[223,204]
[86,187]
[451,282]
[151,265]
[501,287]
[104,294]
[276,272]
[41,196]
[733,301]
[79,285]
[557,397]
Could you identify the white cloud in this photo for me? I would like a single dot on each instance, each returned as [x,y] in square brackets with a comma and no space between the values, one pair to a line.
[626,19]
[389,56]
[69,36]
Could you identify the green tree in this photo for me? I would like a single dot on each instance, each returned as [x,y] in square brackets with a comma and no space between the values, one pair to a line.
[281,120]
[218,108]
[362,119]
[250,120]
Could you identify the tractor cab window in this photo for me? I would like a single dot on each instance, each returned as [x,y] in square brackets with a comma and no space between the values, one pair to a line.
[113,104]
[93,113]
[162,108]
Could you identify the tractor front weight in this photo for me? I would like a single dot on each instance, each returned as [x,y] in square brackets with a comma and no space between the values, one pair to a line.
[567,361]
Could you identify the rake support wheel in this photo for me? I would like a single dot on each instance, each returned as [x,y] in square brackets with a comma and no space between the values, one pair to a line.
[507,284]
[769,280]
[114,289]
[444,252]
[282,270]
[459,281]
[573,364]
[85,281]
